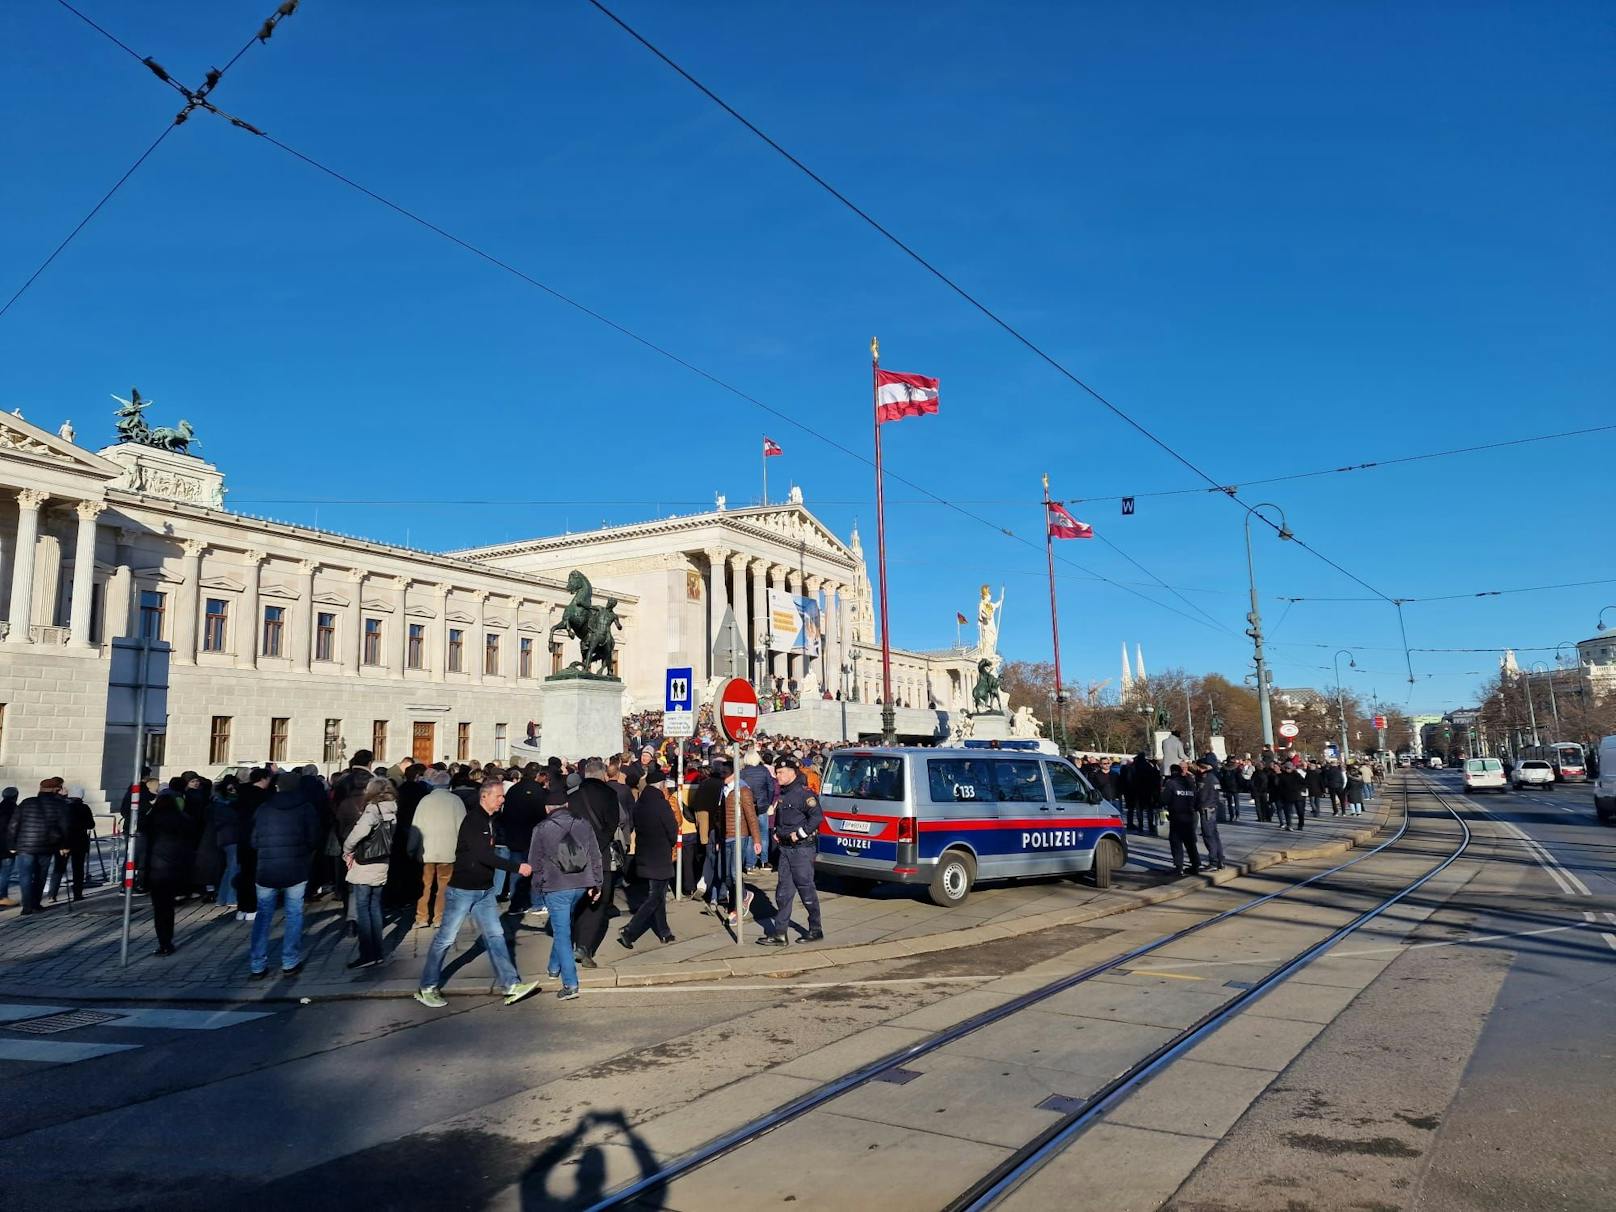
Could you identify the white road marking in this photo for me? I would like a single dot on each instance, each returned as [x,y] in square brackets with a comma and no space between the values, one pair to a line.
[181,1020]
[55,1052]
[785,985]
[1609,938]
[13,1013]
[1568,881]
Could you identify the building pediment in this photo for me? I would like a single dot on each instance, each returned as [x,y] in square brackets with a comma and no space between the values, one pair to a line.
[26,441]
[380,605]
[421,612]
[224,584]
[274,589]
[159,574]
[497,621]
[460,616]
[327,598]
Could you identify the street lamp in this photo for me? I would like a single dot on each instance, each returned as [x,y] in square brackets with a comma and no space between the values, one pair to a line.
[1602,613]
[1341,698]
[855,675]
[1554,706]
[1531,708]
[1255,619]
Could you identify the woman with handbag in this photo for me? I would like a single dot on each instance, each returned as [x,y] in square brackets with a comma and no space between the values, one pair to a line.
[365,853]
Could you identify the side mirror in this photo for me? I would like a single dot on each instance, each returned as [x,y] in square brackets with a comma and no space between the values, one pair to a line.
[1093,796]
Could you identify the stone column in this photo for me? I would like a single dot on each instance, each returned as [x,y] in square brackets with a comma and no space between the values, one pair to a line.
[814,666]
[794,660]
[831,663]
[401,642]
[303,617]
[83,573]
[438,640]
[119,597]
[717,602]
[478,654]
[249,635]
[22,575]
[777,660]
[757,643]
[354,655]
[743,616]
[188,602]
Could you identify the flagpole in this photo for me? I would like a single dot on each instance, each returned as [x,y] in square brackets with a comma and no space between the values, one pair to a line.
[765,471]
[889,731]
[1054,615]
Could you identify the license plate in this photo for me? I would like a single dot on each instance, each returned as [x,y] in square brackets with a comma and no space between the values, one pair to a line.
[855,826]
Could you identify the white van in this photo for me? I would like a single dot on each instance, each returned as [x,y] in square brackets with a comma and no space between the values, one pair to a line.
[1605,785]
[1485,774]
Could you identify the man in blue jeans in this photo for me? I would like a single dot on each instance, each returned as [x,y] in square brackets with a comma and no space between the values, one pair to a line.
[471,894]
[566,864]
[285,831]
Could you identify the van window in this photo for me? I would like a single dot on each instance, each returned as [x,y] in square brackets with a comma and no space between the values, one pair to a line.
[865,777]
[1067,784]
[1018,782]
[952,779]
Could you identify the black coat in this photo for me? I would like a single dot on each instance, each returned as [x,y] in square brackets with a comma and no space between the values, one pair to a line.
[171,835]
[286,830]
[523,810]
[596,802]
[39,826]
[8,813]
[249,800]
[655,832]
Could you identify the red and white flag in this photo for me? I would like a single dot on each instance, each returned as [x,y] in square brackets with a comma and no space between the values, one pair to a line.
[899,395]
[771,448]
[1063,525]
[959,617]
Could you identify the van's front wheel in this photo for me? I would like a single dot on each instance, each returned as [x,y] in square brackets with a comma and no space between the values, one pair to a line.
[951,881]
[1107,858]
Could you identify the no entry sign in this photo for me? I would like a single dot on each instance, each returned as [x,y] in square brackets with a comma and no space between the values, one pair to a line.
[737,710]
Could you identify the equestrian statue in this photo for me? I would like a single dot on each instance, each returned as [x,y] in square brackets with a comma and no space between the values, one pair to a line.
[591,626]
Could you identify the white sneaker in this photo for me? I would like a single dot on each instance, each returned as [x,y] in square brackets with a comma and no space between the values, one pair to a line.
[701,886]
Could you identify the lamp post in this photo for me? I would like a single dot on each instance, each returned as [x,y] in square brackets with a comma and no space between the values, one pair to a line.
[1602,613]
[1554,706]
[855,658]
[1341,698]
[1531,708]
[1255,619]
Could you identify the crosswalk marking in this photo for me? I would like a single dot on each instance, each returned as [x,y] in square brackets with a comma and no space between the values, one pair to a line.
[14,1017]
[10,1014]
[183,1020]
[56,1052]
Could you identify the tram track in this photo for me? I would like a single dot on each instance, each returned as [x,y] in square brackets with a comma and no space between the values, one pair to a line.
[1010,1173]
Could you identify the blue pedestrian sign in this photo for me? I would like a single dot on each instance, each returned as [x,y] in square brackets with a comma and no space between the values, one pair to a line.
[679,704]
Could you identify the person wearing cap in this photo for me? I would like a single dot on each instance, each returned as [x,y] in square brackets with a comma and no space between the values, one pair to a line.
[797,817]
[38,832]
[78,823]
[286,832]
[1206,807]
[565,862]
[171,836]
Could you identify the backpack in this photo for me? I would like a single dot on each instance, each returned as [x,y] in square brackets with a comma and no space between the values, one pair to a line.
[377,845]
[570,857]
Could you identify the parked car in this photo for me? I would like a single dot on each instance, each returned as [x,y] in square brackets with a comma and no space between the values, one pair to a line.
[1533,772]
[1605,784]
[1484,774]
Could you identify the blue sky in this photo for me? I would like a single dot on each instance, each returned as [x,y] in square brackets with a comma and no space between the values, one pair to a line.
[1282,236]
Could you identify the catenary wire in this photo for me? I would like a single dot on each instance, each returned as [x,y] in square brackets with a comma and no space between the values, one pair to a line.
[1227,489]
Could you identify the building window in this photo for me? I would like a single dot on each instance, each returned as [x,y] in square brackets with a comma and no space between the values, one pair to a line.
[333,741]
[378,739]
[373,641]
[216,626]
[325,637]
[156,750]
[501,742]
[463,742]
[417,652]
[278,728]
[219,740]
[491,654]
[151,614]
[274,625]
[457,650]
[524,657]
[555,658]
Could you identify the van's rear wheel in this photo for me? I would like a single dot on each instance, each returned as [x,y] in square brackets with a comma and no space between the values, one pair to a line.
[951,882]
[1107,858]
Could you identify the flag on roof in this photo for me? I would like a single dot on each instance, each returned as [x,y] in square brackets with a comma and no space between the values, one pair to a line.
[959,617]
[898,395]
[771,448]
[1063,525]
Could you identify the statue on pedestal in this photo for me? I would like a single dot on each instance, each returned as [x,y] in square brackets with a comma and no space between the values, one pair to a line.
[987,697]
[591,626]
[987,626]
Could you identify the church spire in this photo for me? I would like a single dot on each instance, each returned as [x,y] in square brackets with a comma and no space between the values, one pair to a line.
[1139,662]
[1127,673]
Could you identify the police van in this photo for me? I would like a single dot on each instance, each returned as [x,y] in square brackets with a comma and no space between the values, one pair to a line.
[947,818]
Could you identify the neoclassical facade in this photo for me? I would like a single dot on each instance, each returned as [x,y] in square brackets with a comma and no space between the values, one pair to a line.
[286,642]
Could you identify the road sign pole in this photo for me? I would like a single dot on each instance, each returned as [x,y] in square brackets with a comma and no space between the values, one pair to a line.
[136,786]
[740,924]
[679,845]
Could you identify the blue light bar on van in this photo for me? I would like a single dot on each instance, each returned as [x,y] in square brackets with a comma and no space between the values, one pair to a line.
[1001,745]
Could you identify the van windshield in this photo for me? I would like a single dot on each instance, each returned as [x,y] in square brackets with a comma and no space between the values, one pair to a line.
[1484,764]
[864,776]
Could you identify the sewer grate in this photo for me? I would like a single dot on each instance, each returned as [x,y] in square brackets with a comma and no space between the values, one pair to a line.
[1239,984]
[897,1077]
[1063,1103]
[70,1020]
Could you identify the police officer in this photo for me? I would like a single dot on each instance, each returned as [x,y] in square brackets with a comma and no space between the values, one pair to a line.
[1179,797]
[796,829]
[1206,805]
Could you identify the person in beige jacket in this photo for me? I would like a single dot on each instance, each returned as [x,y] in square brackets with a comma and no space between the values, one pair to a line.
[437,819]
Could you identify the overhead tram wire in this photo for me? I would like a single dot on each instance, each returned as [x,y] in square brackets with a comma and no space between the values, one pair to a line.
[213,78]
[1229,490]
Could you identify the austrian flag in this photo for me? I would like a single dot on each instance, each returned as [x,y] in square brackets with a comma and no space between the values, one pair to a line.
[900,395]
[1063,525]
[771,448]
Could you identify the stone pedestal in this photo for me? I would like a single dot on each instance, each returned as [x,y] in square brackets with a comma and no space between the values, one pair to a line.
[1219,749]
[583,717]
[163,473]
[990,726]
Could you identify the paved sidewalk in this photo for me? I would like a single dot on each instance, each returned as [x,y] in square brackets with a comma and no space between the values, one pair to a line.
[72,953]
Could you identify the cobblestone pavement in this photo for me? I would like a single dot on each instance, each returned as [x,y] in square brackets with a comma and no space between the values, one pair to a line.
[72,951]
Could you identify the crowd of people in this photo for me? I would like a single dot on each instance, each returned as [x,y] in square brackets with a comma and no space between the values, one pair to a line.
[1195,795]
[42,839]
[564,846]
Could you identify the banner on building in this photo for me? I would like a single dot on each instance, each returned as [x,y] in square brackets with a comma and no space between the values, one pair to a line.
[794,623]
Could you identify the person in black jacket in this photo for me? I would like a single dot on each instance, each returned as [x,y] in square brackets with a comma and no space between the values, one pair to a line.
[471,894]
[595,801]
[249,798]
[1317,789]
[77,825]
[8,860]
[171,836]
[285,832]
[520,815]
[1292,784]
[1206,807]
[1144,794]
[655,832]
[38,832]
[1179,798]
